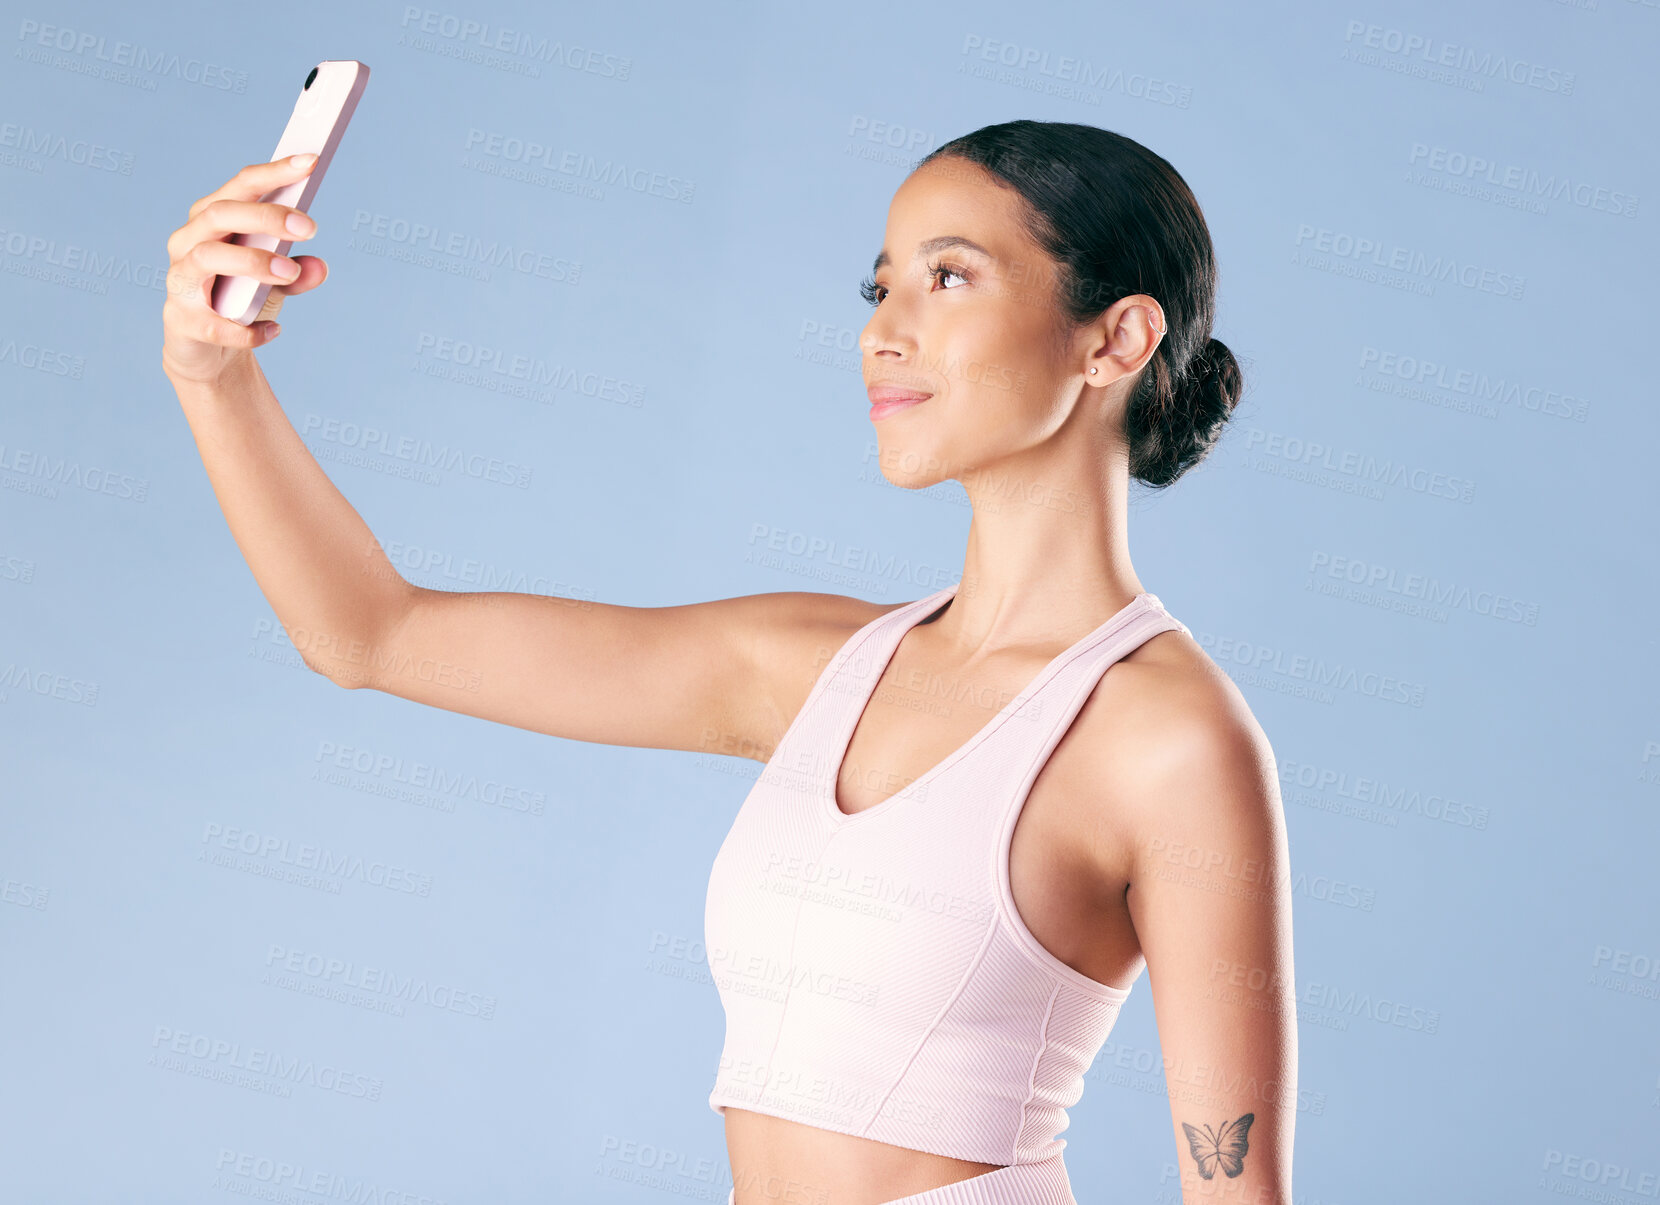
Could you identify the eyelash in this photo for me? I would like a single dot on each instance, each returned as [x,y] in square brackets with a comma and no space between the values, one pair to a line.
[868,286]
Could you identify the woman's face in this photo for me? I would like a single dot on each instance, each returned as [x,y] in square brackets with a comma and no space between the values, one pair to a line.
[975,326]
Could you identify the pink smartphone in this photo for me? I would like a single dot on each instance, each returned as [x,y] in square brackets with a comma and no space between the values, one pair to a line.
[326,103]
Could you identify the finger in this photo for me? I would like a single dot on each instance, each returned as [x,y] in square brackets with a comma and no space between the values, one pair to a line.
[209,326]
[234,259]
[191,278]
[271,308]
[255,180]
[313,272]
[225,217]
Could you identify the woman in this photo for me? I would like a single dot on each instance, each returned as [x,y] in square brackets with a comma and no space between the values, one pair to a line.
[968,837]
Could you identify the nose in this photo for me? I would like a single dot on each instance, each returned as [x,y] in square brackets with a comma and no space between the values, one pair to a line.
[877,338]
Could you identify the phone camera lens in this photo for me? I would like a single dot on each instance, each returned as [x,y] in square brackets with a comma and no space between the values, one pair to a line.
[309,78]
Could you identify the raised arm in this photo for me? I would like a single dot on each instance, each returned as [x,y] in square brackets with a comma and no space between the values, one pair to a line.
[1210,899]
[721,676]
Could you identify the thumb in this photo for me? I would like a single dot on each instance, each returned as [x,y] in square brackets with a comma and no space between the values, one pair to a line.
[313,272]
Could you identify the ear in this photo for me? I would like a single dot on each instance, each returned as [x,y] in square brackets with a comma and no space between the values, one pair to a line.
[1123,339]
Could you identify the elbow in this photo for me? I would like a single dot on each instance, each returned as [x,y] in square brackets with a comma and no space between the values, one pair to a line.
[348,677]
[341,658]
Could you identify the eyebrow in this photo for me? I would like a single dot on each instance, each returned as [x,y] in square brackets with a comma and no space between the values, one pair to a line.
[935,244]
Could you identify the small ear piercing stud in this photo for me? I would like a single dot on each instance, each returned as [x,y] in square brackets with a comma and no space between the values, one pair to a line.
[1095,370]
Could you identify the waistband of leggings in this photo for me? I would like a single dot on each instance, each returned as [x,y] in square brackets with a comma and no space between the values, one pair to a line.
[1042,1183]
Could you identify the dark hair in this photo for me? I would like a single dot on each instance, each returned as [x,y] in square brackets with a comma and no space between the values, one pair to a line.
[1118,219]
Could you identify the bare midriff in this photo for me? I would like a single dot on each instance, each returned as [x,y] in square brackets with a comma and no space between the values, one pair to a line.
[775,1160]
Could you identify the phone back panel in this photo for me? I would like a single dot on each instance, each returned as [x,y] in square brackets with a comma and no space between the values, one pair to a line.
[316,125]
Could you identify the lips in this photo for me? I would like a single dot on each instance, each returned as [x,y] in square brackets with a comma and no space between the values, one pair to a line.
[881,394]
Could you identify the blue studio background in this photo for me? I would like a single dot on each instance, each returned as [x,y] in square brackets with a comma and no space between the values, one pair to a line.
[1436,234]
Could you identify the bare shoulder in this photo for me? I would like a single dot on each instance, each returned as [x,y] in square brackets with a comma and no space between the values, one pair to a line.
[796,634]
[1167,744]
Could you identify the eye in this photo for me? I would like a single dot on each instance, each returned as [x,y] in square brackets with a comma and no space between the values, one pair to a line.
[873,292]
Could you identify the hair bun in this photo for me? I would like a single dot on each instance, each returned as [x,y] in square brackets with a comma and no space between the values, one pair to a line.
[1214,360]
[1220,365]
[1174,425]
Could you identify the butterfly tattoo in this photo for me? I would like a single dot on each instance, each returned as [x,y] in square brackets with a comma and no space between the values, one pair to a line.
[1224,1148]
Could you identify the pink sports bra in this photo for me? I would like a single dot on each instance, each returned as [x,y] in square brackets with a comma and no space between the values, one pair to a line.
[876,976]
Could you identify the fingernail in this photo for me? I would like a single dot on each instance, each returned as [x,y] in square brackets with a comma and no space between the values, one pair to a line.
[298,223]
[281,265]
[304,160]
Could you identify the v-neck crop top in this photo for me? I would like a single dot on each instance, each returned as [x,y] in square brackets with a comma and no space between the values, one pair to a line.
[876,976]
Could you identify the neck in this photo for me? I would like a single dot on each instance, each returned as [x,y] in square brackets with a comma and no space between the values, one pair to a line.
[1048,555]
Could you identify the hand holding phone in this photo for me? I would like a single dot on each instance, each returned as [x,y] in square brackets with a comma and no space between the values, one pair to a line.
[325,105]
